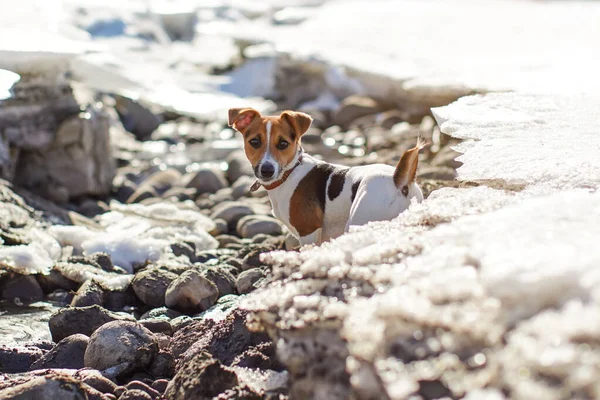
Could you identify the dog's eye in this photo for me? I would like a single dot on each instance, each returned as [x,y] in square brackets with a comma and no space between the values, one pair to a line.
[255,143]
[282,145]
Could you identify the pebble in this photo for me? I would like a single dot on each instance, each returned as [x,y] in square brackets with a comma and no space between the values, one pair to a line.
[137,385]
[247,280]
[141,194]
[252,225]
[238,166]
[151,283]
[54,280]
[191,292]
[163,365]
[231,212]
[205,180]
[96,380]
[135,394]
[222,278]
[121,342]
[162,180]
[160,312]
[68,353]
[18,359]
[158,325]
[69,321]
[160,385]
[354,107]
[89,293]
[22,287]
[241,187]
[56,387]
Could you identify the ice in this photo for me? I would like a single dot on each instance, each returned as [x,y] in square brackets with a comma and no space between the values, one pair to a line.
[7,79]
[261,380]
[538,140]
[135,234]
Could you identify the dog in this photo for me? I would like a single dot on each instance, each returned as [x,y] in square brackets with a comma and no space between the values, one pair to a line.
[316,200]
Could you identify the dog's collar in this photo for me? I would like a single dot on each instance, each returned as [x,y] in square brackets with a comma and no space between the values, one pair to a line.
[279,182]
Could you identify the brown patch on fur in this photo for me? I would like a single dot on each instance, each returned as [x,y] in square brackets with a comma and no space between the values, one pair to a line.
[307,205]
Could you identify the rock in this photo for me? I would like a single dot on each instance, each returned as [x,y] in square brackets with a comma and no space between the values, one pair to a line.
[151,283]
[221,227]
[85,320]
[55,386]
[184,249]
[438,173]
[135,394]
[225,194]
[205,180]
[119,300]
[231,212]
[68,353]
[200,377]
[121,342]
[136,117]
[160,385]
[191,292]
[88,294]
[90,208]
[22,287]
[125,190]
[224,340]
[142,193]
[312,136]
[241,187]
[163,365]
[222,278]
[446,157]
[18,359]
[252,225]
[238,166]
[157,325]
[354,107]
[178,194]
[96,380]
[60,297]
[162,181]
[137,385]
[224,240]
[247,280]
[161,312]
[261,357]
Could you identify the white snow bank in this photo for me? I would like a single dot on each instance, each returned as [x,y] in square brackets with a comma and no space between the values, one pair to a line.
[529,46]
[549,141]
[26,259]
[135,234]
[7,80]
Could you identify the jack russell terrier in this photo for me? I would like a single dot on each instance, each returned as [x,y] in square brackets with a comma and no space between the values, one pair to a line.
[316,200]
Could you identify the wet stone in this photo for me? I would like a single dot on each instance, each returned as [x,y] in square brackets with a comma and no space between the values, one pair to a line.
[68,353]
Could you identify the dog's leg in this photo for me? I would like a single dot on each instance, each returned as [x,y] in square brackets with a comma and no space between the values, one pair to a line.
[313,238]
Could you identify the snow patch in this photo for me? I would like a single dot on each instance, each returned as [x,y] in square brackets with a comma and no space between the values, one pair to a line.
[26,259]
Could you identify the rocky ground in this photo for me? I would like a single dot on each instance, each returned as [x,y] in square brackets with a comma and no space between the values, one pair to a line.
[134,291]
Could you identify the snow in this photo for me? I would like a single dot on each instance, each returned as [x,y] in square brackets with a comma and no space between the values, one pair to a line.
[538,140]
[7,80]
[135,234]
[26,259]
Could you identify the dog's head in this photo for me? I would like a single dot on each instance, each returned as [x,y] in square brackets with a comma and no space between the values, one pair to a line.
[272,144]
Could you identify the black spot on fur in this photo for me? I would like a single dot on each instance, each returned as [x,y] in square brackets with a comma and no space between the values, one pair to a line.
[338,178]
[405,190]
[355,189]
[320,175]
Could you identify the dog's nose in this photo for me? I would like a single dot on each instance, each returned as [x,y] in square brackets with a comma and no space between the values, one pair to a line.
[267,170]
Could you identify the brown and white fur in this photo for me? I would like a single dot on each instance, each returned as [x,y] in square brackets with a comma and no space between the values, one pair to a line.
[316,200]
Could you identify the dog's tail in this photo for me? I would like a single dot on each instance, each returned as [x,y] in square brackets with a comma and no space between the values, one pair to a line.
[406,170]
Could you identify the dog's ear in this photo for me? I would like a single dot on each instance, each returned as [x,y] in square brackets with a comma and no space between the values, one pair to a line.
[300,122]
[241,118]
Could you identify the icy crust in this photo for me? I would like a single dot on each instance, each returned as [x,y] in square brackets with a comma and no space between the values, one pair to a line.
[516,43]
[549,141]
[416,305]
[136,234]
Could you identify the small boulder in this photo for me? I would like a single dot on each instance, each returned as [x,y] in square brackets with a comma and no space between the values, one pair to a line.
[252,225]
[205,180]
[55,386]
[22,287]
[88,294]
[18,359]
[151,283]
[137,385]
[353,107]
[238,166]
[135,394]
[199,378]
[85,320]
[248,280]
[68,353]
[231,212]
[222,278]
[191,292]
[241,187]
[121,342]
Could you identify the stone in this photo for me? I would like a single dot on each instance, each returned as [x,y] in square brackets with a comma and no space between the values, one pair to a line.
[151,283]
[438,173]
[157,325]
[121,342]
[446,157]
[68,353]
[96,380]
[18,359]
[135,394]
[191,292]
[89,293]
[252,225]
[221,227]
[56,386]
[85,320]
[261,356]
[353,107]
[54,280]
[238,166]
[205,180]
[161,181]
[136,117]
[178,194]
[231,212]
[142,193]
[163,365]
[137,385]
[125,190]
[241,187]
[248,280]
[199,378]
[22,287]
[160,385]
[161,312]
[222,278]
[224,240]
